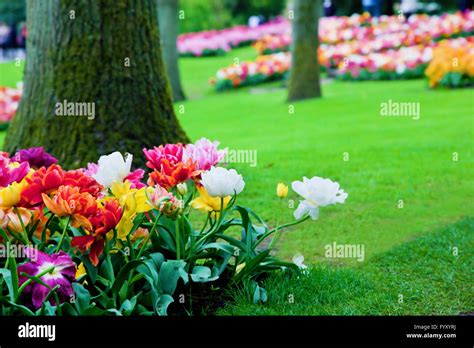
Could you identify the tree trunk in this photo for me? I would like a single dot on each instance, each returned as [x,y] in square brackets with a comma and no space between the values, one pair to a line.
[103,53]
[168,21]
[304,74]
[388,7]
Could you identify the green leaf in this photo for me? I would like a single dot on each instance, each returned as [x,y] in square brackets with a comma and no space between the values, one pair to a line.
[158,259]
[68,309]
[128,306]
[90,268]
[14,275]
[23,309]
[6,273]
[203,274]
[220,246]
[260,295]
[83,298]
[161,305]
[169,275]
[123,292]
[123,275]
[251,265]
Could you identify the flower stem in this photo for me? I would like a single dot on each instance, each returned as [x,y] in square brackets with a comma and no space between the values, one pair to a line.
[178,241]
[29,281]
[277,235]
[23,229]
[62,236]
[145,242]
[279,228]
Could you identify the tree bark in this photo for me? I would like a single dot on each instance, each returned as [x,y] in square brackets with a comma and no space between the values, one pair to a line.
[304,74]
[168,21]
[101,52]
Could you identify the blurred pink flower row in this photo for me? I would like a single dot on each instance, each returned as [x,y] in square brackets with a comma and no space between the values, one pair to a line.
[392,31]
[383,33]
[9,100]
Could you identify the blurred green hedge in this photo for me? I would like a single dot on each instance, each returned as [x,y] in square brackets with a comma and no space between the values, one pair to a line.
[219,14]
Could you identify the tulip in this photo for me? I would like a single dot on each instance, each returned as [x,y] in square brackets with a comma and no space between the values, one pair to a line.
[61,272]
[298,261]
[165,202]
[113,168]
[14,219]
[10,195]
[169,167]
[81,270]
[36,157]
[69,201]
[133,202]
[104,220]
[182,188]
[207,203]
[317,192]
[12,172]
[221,182]
[282,190]
[204,153]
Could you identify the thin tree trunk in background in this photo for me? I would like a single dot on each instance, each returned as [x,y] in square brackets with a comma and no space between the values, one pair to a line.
[168,21]
[304,74]
[101,52]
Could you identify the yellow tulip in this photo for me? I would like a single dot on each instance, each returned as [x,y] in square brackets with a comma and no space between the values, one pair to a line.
[125,225]
[282,190]
[133,201]
[207,203]
[81,270]
[10,195]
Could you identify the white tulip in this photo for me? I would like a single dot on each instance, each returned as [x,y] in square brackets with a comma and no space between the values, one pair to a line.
[113,168]
[317,192]
[221,182]
[298,261]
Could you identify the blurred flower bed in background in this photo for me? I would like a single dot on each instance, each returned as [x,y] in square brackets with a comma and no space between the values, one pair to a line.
[215,42]
[9,100]
[452,64]
[360,48]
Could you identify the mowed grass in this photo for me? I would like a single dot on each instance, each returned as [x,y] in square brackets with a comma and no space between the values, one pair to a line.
[391,160]
[426,276]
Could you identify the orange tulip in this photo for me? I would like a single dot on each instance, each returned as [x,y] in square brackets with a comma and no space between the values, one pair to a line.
[69,201]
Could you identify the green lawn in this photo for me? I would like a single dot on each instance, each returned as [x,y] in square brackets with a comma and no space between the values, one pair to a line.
[390,159]
[421,277]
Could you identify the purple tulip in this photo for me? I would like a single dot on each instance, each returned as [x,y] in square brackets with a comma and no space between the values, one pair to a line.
[63,273]
[35,156]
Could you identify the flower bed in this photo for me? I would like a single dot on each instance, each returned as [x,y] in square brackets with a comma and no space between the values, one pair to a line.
[247,73]
[405,63]
[9,100]
[452,65]
[384,49]
[217,42]
[99,241]
[372,35]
